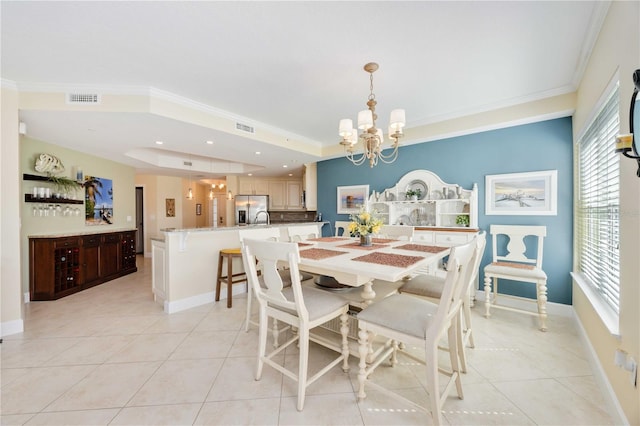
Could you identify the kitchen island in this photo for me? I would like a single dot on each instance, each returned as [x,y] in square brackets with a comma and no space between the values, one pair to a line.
[185,263]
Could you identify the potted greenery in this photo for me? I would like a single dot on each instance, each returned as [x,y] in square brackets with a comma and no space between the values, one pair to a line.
[413,194]
[462,220]
[63,184]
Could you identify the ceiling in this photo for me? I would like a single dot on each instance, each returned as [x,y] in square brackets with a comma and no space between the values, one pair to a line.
[290,69]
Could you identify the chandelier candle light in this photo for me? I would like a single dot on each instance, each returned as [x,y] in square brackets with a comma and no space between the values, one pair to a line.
[371,137]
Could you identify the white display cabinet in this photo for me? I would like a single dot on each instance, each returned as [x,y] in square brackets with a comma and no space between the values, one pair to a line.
[440,204]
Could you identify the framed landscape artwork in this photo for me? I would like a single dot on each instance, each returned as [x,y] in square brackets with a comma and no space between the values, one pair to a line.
[530,193]
[98,196]
[351,198]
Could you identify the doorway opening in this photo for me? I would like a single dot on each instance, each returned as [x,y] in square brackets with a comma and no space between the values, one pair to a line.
[139,220]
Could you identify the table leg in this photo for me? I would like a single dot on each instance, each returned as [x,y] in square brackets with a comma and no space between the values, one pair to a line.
[367,293]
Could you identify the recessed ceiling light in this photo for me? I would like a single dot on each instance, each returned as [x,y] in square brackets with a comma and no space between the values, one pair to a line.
[285,166]
[209,142]
[250,174]
[159,142]
[258,153]
[290,174]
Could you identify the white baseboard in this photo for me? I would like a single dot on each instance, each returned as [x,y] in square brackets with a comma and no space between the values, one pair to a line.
[199,300]
[11,327]
[528,304]
[613,405]
[27,297]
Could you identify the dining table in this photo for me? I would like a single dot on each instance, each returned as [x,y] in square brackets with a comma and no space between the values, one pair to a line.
[355,265]
[350,265]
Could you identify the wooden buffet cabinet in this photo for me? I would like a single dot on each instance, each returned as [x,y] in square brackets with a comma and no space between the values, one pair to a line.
[60,266]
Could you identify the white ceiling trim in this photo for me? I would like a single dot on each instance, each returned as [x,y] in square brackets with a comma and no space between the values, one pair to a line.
[595,25]
[163,95]
[489,127]
[493,106]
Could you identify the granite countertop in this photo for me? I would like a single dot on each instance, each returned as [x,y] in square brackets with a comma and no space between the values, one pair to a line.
[232,228]
[89,231]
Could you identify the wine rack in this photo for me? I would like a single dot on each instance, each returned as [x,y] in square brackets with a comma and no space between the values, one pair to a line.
[128,250]
[67,269]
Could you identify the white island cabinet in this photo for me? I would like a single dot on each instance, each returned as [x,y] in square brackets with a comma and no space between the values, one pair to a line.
[185,263]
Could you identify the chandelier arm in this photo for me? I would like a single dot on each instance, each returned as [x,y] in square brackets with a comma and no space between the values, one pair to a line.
[356,161]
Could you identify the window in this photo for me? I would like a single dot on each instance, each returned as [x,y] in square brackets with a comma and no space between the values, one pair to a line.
[598,207]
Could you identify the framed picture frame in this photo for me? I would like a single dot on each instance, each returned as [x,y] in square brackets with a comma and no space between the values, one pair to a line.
[529,193]
[198,209]
[351,198]
[170,205]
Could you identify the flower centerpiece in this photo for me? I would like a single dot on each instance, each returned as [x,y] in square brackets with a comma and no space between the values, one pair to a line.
[364,224]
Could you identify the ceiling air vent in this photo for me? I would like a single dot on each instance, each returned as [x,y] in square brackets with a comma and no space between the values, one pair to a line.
[83,98]
[187,163]
[245,128]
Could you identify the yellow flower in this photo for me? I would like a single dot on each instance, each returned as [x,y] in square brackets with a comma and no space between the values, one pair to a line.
[364,223]
[353,227]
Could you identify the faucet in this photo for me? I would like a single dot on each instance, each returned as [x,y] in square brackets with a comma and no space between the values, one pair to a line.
[265,212]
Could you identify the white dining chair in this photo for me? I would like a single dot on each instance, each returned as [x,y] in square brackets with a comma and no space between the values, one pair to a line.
[303,308]
[513,263]
[342,228]
[302,232]
[271,234]
[431,287]
[396,232]
[420,323]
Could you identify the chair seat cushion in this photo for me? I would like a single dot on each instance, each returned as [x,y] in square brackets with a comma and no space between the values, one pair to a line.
[424,285]
[407,314]
[318,302]
[518,270]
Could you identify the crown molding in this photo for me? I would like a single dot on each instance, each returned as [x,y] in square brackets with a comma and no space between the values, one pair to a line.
[8,84]
[591,37]
[564,90]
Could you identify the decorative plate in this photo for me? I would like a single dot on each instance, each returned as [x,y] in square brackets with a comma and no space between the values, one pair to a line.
[403,220]
[421,185]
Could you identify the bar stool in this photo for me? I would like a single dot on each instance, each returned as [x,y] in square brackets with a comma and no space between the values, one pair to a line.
[230,278]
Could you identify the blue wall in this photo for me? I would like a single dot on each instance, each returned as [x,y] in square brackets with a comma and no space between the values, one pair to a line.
[466,160]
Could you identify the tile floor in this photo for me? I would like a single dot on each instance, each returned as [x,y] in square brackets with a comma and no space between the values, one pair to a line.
[109,355]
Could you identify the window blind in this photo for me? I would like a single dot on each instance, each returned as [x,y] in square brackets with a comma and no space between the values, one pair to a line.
[598,209]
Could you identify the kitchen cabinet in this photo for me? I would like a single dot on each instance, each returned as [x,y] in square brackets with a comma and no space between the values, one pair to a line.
[277,195]
[294,195]
[91,258]
[284,194]
[252,186]
[60,266]
[310,186]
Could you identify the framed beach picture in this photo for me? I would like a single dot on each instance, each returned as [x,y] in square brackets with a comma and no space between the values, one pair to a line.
[351,198]
[98,196]
[530,193]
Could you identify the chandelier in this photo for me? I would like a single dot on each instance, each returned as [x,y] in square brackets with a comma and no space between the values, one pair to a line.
[371,136]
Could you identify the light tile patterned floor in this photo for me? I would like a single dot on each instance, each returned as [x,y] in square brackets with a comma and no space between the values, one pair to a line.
[109,355]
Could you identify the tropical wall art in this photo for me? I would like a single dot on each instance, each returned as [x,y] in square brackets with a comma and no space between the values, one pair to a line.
[98,196]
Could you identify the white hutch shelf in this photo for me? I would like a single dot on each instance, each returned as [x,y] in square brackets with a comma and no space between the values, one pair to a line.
[439,205]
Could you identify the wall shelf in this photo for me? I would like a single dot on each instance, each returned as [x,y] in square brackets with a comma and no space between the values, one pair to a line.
[29,198]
